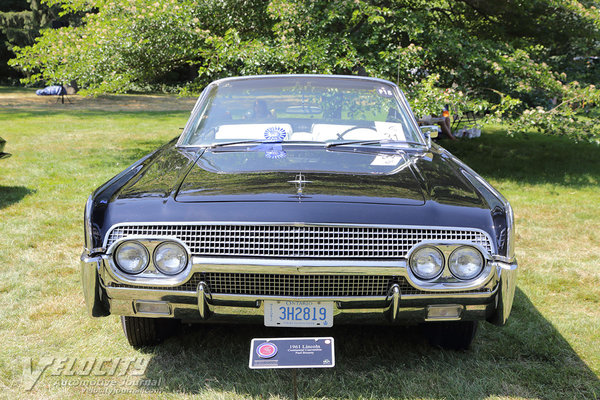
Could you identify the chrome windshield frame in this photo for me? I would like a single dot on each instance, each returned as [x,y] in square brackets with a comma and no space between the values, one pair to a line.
[398,94]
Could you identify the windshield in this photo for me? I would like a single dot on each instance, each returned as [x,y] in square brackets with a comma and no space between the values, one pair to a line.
[304,109]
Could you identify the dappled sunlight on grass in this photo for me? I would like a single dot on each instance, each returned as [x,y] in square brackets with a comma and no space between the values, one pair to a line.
[384,362]
[554,187]
[530,159]
[550,347]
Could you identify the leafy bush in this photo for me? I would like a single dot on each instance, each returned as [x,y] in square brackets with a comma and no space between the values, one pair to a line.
[504,59]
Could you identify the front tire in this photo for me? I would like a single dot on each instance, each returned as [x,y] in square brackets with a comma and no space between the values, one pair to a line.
[451,335]
[141,331]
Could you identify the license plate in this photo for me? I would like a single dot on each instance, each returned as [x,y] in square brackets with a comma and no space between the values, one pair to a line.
[299,313]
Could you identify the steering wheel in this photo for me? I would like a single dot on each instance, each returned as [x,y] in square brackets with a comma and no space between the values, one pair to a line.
[342,134]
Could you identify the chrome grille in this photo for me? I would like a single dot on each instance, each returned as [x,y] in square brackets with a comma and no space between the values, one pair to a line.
[298,285]
[306,241]
[288,285]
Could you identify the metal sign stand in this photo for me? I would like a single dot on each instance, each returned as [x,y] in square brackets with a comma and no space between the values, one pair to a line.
[295,383]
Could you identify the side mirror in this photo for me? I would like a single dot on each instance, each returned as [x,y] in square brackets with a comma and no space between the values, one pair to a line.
[430,132]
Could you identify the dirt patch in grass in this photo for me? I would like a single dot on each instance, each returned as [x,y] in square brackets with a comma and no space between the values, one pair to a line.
[27,99]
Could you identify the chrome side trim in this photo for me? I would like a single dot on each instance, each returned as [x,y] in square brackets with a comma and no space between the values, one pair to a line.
[87,224]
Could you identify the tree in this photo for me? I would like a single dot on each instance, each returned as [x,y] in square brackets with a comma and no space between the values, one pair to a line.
[504,56]
[20,23]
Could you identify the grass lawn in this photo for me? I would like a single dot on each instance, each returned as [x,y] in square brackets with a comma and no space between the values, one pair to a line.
[550,348]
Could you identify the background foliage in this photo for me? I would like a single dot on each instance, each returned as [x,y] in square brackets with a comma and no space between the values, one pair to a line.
[20,24]
[532,62]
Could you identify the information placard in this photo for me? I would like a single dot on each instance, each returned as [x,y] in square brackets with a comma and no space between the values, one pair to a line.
[304,352]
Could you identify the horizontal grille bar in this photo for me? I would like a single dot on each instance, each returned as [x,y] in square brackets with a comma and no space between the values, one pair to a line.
[288,285]
[290,241]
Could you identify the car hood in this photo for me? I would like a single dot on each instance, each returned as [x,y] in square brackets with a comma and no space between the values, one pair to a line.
[270,173]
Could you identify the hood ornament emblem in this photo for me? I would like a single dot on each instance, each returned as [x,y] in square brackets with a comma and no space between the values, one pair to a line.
[300,183]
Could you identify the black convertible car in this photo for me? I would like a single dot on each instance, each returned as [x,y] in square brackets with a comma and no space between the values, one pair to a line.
[300,201]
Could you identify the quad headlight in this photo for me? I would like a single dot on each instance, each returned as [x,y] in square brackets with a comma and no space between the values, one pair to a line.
[170,258]
[465,262]
[427,263]
[132,257]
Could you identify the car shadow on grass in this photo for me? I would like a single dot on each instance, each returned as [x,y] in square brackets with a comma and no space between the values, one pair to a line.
[526,358]
[529,158]
[13,194]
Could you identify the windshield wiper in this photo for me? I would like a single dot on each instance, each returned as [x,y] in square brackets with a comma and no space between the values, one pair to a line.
[259,142]
[368,142]
[215,145]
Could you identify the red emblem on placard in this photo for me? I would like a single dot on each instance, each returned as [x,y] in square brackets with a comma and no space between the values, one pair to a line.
[266,350]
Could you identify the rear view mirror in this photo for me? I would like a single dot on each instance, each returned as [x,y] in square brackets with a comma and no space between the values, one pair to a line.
[430,132]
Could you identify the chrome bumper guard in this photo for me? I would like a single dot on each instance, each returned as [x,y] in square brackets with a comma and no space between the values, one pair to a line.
[507,273]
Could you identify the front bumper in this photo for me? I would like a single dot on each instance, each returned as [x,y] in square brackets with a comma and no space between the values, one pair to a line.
[106,293]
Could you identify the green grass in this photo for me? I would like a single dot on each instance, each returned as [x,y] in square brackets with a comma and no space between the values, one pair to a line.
[15,90]
[550,348]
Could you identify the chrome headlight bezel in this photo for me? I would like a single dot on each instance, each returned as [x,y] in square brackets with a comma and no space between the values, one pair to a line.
[143,253]
[453,268]
[157,261]
[440,265]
